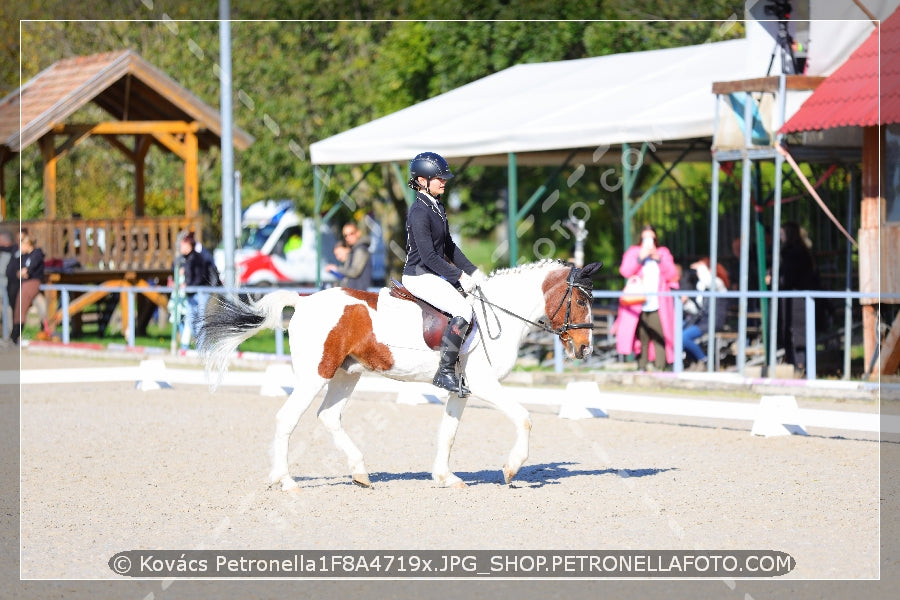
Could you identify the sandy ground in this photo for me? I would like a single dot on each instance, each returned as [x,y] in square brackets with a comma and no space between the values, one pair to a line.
[107,468]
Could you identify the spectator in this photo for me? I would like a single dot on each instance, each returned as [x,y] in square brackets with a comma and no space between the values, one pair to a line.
[356,270]
[648,329]
[199,271]
[797,272]
[7,250]
[28,272]
[733,266]
[696,308]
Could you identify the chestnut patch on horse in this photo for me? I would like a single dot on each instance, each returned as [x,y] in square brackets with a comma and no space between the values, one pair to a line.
[370,298]
[353,335]
[553,297]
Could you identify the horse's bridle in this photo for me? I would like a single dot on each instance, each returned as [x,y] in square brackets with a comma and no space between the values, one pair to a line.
[571,286]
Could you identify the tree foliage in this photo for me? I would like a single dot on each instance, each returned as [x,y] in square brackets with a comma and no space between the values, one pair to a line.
[298,81]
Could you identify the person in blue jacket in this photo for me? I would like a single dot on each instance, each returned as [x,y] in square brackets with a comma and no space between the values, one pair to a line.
[436,269]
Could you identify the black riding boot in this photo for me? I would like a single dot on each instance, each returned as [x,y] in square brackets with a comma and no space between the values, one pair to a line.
[446,377]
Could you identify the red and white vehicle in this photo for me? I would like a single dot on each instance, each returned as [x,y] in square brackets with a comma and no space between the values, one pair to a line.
[278,247]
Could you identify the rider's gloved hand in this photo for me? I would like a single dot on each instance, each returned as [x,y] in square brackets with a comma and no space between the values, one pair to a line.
[467,282]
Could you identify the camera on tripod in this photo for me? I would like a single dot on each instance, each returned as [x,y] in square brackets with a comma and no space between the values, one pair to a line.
[781,10]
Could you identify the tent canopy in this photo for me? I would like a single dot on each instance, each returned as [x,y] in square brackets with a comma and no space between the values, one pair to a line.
[553,107]
[543,111]
[548,107]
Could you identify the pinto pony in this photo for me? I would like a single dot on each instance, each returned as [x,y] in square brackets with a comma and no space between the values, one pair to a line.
[337,334]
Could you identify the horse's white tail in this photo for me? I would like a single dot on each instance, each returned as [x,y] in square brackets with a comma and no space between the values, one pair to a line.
[229,321]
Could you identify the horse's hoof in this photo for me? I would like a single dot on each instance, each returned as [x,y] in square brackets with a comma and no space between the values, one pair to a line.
[286,485]
[450,481]
[362,480]
[508,475]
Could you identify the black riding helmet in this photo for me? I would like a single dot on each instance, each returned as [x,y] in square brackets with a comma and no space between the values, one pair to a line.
[428,165]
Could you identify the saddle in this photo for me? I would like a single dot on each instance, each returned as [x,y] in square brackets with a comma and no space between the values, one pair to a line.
[434,320]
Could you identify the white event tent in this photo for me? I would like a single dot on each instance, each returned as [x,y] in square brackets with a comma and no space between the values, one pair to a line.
[585,103]
[546,109]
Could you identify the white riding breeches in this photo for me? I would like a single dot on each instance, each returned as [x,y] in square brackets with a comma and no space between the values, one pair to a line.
[440,293]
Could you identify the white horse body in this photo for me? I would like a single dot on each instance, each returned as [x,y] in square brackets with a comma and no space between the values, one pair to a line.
[337,334]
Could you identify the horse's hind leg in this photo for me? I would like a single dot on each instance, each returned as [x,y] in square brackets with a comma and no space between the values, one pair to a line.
[339,389]
[440,472]
[285,422]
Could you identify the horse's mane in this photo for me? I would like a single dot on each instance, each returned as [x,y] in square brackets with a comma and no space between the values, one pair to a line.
[541,264]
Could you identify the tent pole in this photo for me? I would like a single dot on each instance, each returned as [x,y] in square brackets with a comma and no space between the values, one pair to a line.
[713,241]
[746,174]
[776,266]
[761,265]
[626,194]
[629,177]
[408,194]
[539,193]
[512,208]
[319,197]
[713,259]
[776,234]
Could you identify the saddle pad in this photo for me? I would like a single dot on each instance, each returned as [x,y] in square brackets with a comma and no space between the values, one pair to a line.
[434,320]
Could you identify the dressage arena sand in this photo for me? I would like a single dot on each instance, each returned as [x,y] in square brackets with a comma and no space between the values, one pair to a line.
[106,468]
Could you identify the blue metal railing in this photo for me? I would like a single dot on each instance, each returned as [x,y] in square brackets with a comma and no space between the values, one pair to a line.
[65,291]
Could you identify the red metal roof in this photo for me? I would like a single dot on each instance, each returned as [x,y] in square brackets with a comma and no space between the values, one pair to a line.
[849,97]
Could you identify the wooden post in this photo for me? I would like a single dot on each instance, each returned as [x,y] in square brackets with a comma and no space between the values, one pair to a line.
[48,153]
[141,147]
[191,180]
[871,217]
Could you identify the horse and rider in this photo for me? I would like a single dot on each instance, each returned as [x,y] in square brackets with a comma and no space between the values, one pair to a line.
[338,334]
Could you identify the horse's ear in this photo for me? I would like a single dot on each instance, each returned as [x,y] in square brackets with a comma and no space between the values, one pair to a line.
[591,270]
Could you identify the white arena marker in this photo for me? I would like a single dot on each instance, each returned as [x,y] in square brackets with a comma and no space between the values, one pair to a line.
[778,415]
[153,375]
[582,401]
[278,378]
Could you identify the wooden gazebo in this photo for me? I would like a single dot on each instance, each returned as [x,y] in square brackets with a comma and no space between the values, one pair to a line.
[146,107]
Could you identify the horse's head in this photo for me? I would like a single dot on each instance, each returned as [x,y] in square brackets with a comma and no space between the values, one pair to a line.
[567,303]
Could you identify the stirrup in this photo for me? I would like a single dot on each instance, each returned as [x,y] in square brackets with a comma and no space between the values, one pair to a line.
[463,391]
[451,383]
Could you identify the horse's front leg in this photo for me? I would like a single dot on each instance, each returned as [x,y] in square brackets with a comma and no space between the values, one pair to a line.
[441,473]
[485,385]
[339,389]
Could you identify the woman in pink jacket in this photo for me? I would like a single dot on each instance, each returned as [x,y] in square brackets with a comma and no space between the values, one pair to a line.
[645,329]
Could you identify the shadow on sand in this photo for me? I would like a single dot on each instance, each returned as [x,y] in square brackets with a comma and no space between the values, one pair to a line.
[530,476]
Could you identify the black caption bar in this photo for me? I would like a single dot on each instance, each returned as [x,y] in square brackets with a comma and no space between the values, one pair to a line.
[451,563]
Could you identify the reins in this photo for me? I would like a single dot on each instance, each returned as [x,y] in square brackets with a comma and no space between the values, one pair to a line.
[567,326]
